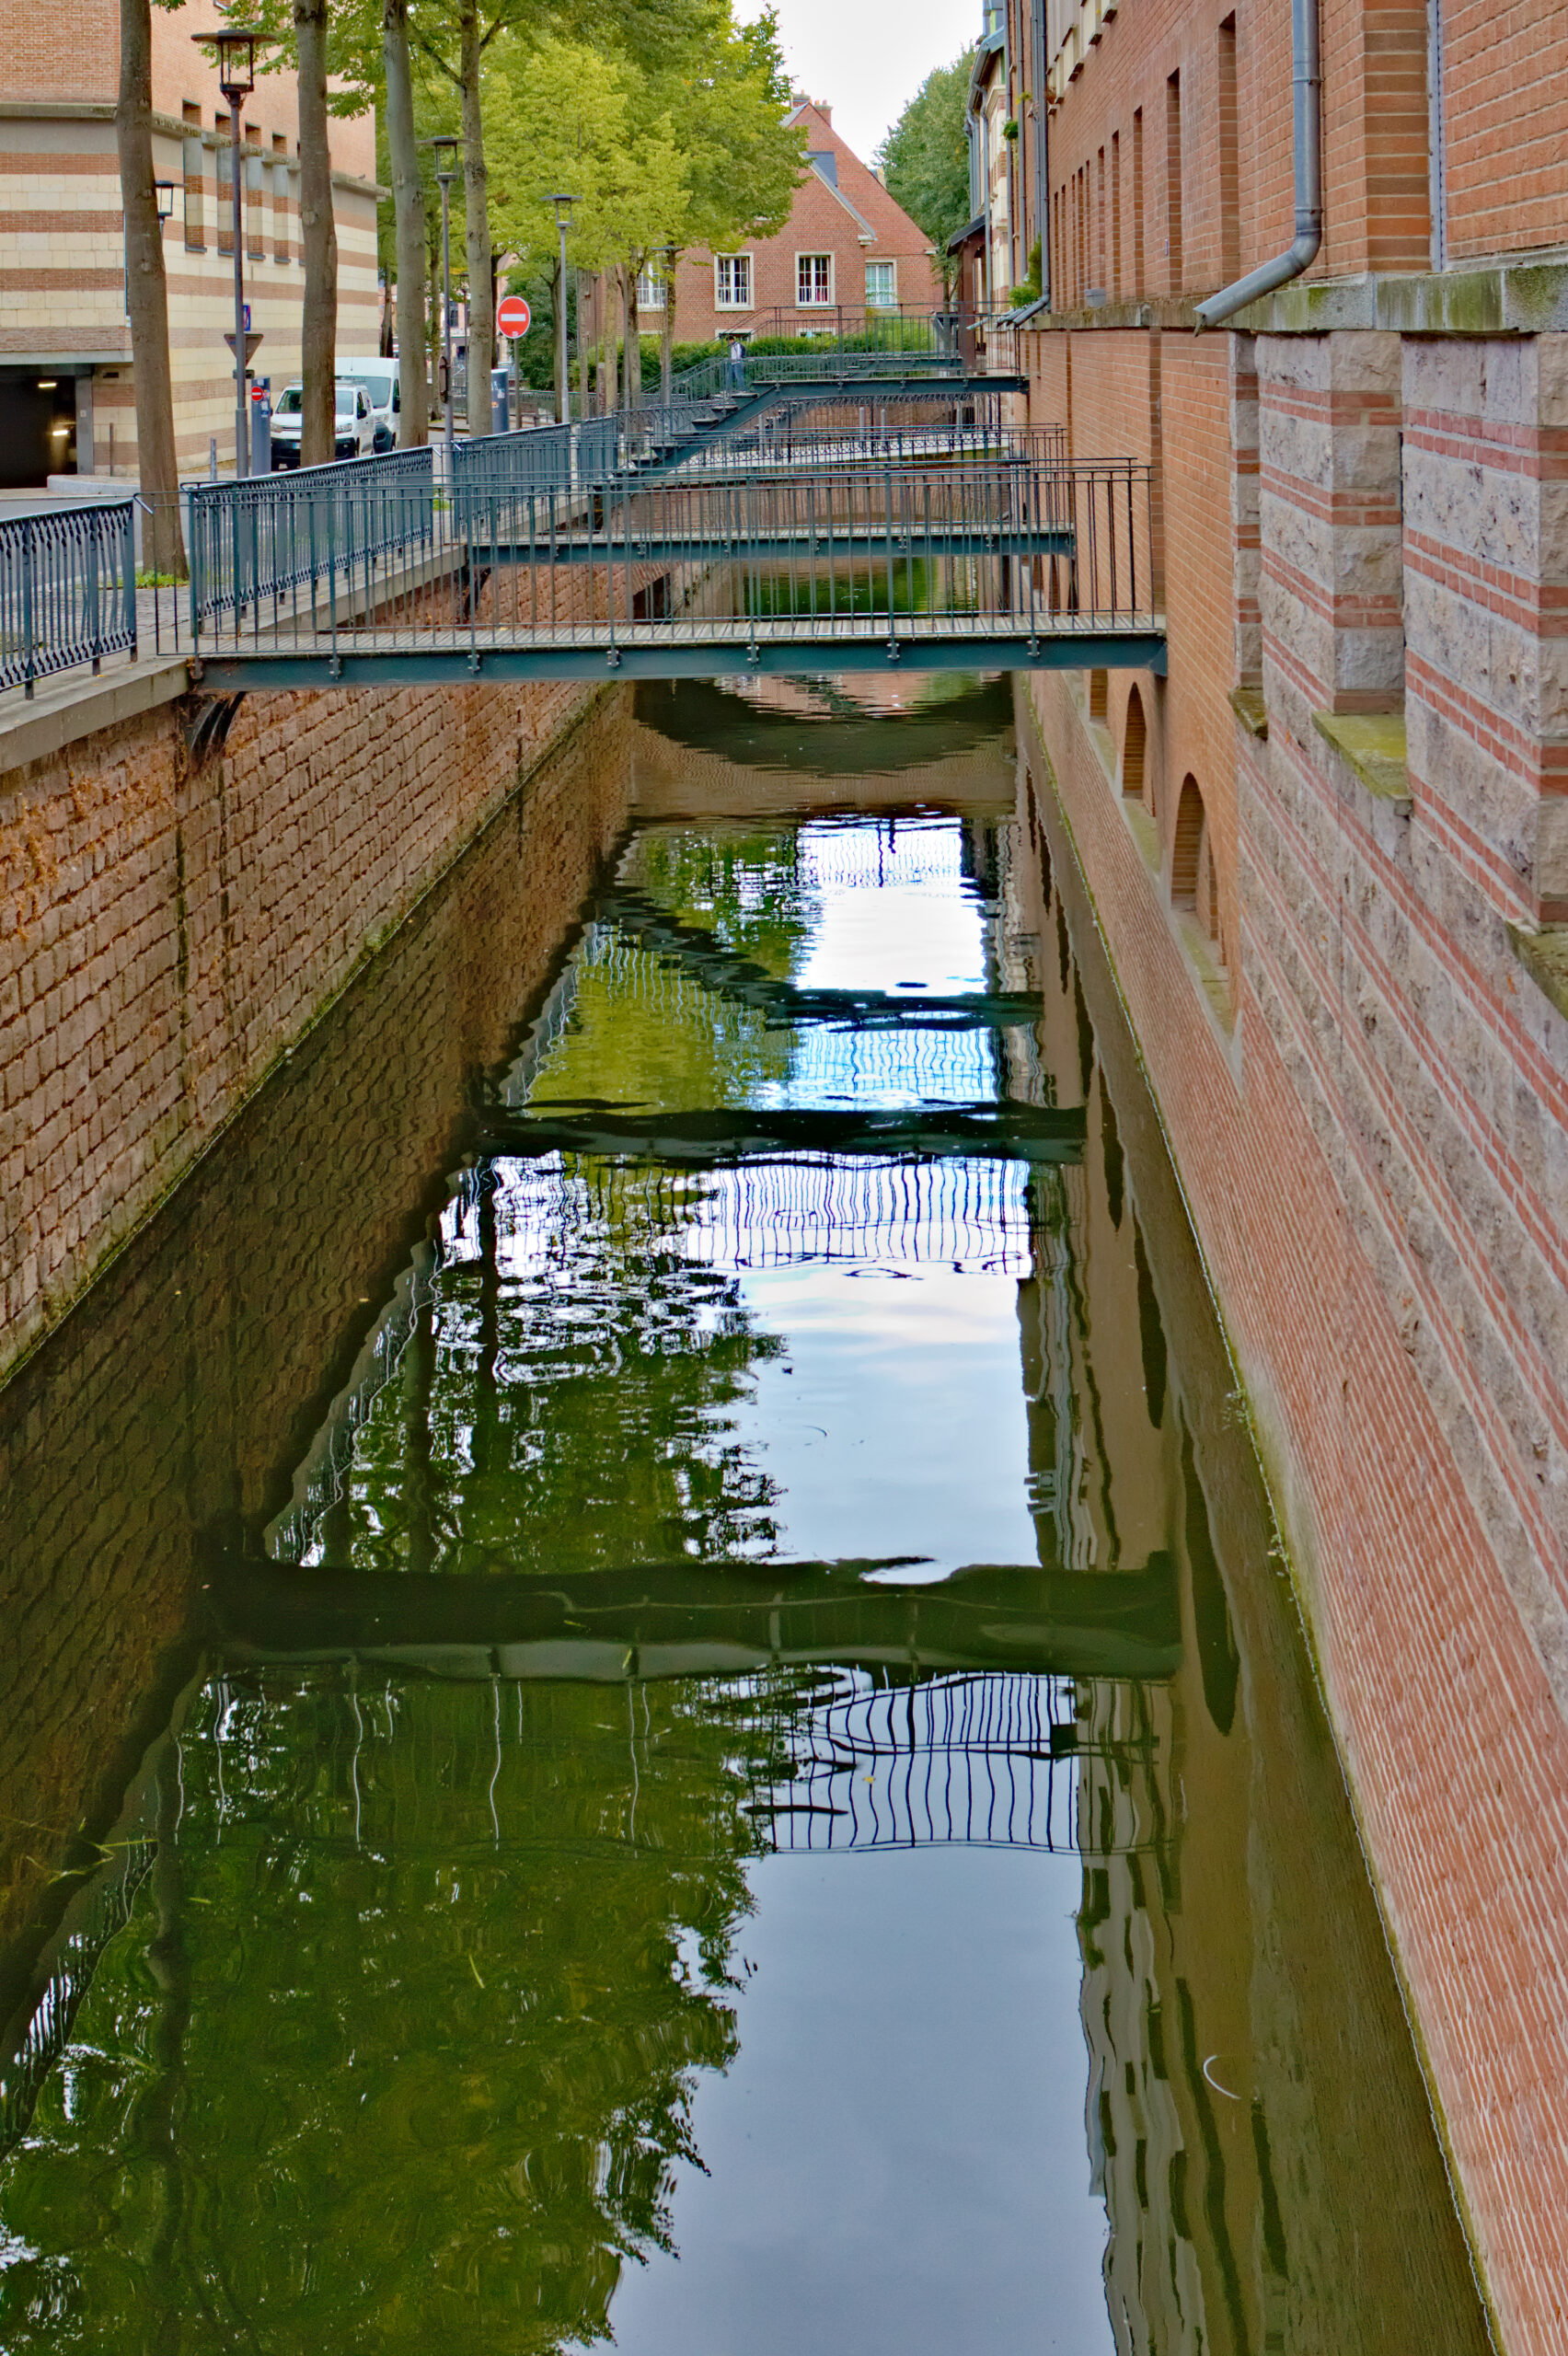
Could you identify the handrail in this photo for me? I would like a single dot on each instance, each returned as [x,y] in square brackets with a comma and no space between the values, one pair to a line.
[523,553]
[67,590]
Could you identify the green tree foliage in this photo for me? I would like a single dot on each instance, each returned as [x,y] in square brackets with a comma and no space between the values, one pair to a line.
[926,155]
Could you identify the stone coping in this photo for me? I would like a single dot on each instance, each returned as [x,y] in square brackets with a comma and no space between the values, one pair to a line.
[1526,296]
[1544,956]
[73,707]
[1374,745]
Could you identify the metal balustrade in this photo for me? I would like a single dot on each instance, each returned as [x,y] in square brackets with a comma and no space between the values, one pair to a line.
[256,545]
[67,590]
[389,573]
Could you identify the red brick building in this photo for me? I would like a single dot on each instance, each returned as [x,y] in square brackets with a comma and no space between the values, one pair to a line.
[845,247]
[1328,852]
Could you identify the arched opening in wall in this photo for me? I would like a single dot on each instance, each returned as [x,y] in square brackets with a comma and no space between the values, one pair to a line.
[1186,846]
[1134,743]
[1099,694]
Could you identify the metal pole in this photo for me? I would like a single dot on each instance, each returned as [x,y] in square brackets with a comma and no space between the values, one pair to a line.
[241,422]
[445,180]
[563,399]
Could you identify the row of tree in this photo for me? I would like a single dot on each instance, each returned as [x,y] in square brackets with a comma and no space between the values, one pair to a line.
[665,119]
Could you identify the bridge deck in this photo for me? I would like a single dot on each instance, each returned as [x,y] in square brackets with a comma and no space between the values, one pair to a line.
[773,548]
[685,650]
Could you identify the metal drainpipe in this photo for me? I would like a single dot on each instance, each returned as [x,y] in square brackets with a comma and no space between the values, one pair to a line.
[1306,78]
[1041,154]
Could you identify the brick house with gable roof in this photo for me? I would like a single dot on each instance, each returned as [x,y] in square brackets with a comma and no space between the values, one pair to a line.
[847,245]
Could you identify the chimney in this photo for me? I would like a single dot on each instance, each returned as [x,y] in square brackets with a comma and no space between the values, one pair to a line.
[826,112]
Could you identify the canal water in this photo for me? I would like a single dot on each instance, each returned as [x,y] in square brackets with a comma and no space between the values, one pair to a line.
[721,1756]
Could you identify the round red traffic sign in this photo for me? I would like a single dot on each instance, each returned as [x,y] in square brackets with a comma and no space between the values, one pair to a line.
[512,315]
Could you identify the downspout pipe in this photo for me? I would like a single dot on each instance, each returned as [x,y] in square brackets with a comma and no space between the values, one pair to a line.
[1042,156]
[1306,78]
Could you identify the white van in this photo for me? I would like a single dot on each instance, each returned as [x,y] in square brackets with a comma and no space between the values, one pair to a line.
[354,426]
[380,379]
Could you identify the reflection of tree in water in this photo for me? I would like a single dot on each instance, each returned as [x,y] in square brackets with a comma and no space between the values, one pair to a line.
[565,1403]
[449,1956]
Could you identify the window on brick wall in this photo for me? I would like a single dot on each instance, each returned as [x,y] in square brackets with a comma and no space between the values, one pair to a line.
[1115,216]
[881,286]
[813,279]
[1173,278]
[255,206]
[1138,203]
[649,291]
[194,166]
[732,282]
[280,199]
[1229,172]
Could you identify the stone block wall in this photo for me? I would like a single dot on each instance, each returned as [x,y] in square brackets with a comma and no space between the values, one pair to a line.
[166,933]
[1375,1148]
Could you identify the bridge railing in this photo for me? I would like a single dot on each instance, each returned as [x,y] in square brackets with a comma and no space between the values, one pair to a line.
[254,546]
[857,437]
[67,590]
[958,546]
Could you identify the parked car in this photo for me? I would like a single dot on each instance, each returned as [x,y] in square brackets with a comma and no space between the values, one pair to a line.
[380,377]
[355,424]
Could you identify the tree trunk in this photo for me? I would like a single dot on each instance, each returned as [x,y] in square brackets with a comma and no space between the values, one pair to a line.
[667,342]
[633,345]
[147,294]
[318,325]
[409,212]
[476,205]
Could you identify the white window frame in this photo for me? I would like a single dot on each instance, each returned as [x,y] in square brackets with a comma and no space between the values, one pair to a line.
[651,291]
[816,302]
[888,302]
[723,302]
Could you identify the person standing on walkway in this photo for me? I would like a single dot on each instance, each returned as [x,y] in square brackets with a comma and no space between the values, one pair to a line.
[737,364]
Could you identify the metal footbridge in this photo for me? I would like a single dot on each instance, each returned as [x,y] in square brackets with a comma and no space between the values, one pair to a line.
[840,516]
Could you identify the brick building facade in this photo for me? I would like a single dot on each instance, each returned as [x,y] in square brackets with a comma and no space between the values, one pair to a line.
[68,403]
[1328,852]
[847,247]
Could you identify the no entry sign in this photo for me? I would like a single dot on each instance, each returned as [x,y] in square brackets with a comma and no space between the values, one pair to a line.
[512,315]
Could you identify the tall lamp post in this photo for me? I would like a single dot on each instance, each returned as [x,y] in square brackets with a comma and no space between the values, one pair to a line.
[563,205]
[445,147]
[236,46]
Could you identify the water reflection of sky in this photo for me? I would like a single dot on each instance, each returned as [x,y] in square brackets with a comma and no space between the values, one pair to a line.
[893,2165]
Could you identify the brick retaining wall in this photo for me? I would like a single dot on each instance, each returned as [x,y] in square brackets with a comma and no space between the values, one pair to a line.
[166,933]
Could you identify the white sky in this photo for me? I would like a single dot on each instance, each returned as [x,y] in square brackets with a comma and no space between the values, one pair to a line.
[868,58]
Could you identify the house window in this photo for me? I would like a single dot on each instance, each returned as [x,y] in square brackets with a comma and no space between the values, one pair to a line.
[881,286]
[649,291]
[194,166]
[732,282]
[813,279]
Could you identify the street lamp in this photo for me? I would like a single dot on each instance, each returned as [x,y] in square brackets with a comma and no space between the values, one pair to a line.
[563,205]
[164,191]
[236,46]
[445,148]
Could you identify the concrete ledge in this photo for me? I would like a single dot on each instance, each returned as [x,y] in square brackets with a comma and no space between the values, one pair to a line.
[1374,745]
[1544,956]
[74,708]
